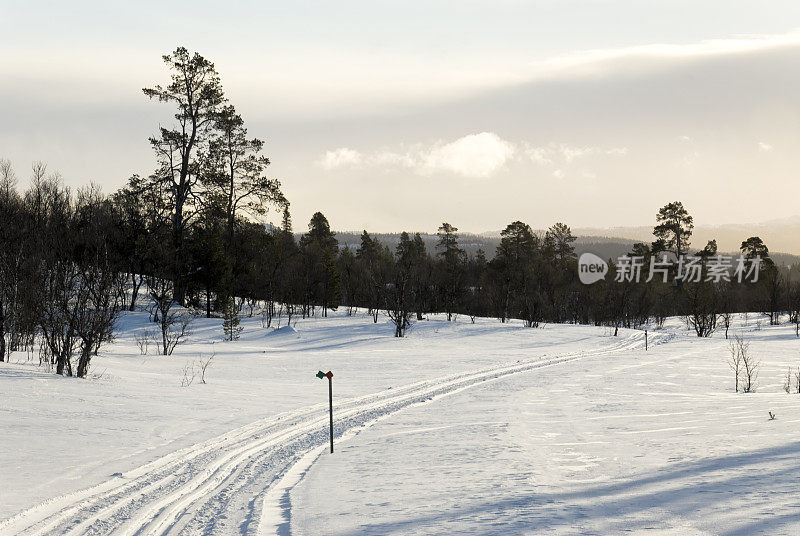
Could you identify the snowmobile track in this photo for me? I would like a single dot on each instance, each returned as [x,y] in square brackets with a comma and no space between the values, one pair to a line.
[218,486]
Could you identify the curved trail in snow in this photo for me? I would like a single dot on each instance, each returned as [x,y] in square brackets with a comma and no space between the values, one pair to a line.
[219,486]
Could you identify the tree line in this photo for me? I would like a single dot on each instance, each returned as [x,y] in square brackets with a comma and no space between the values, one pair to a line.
[191,237]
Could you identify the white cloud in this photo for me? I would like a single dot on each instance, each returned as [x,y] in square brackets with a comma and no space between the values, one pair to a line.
[764,147]
[571,153]
[474,156]
[392,159]
[539,155]
[617,151]
[566,154]
[341,157]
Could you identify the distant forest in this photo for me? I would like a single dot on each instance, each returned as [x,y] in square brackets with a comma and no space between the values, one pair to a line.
[190,239]
[603,246]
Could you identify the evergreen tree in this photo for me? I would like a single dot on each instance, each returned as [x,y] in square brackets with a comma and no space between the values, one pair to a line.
[770,281]
[212,262]
[453,260]
[286,220]
[421,276]
[348,279]
[371,274]
[561,237]
[319,248]
[230,322]
[196,91]
[513,264]
[673,229]
[399,302]
[233,172]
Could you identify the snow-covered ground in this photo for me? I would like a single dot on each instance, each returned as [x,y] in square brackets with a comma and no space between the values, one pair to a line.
[458,428]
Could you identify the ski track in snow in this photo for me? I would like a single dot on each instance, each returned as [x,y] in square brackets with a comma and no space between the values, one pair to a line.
[232,484]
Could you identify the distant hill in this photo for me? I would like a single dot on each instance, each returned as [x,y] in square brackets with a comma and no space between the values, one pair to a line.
[607,243]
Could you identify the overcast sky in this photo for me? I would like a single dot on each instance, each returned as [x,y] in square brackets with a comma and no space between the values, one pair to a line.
[401,115]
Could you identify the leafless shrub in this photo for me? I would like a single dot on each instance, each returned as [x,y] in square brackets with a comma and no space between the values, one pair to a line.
[189,374]
[143,338]
[787,383]
[100,376]
[751,366]
[743,364]
[175,330]
[703,302]
[174,323]
[735,363]
[726,318]
[204,365]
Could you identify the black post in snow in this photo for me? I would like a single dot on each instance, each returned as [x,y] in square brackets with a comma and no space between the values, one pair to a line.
[329,375]
[330,403]
[645,340]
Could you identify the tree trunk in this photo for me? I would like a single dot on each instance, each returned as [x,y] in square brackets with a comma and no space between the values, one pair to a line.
[83,362]
[63,365]
[135,293]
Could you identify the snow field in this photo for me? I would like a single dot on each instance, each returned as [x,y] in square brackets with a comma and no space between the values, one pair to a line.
[217,485]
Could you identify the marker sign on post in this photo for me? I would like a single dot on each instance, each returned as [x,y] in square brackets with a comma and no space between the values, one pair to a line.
[329,375]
